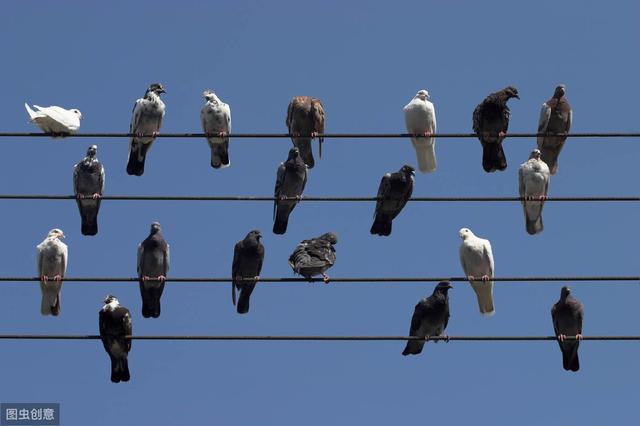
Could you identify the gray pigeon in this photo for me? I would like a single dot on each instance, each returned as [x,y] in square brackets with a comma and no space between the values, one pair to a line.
[290,182]
[147,119]
[58,121]
[115,324]
[476,258]
[248,255]
[490,123]
[305,120]
[555,118]
[52,255]
[430,318]
[153,265]
[533,182]
[313,257]
[420,118]
[393,193]
[567,316]
[88,186]
[216,120]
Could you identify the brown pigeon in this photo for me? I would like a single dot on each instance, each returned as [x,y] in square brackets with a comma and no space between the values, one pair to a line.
[555,118]
[305,120]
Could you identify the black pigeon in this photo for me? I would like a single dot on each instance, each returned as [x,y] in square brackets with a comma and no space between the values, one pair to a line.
[430,318]
[145,125]
[555,118]
[88,186]
[313,257]
[305,120]
[153,265]
[567,316]
[115,324]
[393,193]
[290,182]
[490,123]
[248,255]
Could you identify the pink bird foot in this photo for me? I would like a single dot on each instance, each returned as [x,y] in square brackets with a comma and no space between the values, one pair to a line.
[579,336]
[325,278]
[502,134]
[57,278]
[485,278]
[561,337]
[96,196]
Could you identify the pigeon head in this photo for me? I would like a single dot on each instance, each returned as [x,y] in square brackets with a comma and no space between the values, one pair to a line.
[535,154]
[564,292]
[92,151]
[155,227]
[293,153]
[422,94]
[511,92]
[442,287]
[465,233]
[210,96]
[77,112]
[156,88]
[55,233]
[255,234]
[110,299]
[408,170]
[560,91]
[330,237]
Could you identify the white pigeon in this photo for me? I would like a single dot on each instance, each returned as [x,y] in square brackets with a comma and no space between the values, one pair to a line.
[477,263]
[52,256]
[533,182]
[55,120]
[216,120]
[420,118]
[148,113]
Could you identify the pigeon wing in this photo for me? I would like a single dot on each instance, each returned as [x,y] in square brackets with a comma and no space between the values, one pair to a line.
[543,122]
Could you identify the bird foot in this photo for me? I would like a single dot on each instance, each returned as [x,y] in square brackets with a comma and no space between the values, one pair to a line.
[222,134]
[298,197]
[257,278]
[485,278]
[471,278]
[542,198]
[325,278]
[283,198]
[427,338]
[155,134]
[96,196]
[427,134]
[446,338]
[502,134]
[140,134]
[79,196]
[314,135]
[162,278]
[561,337]
[145,278]
[44,278]
[579,336]
[57,278]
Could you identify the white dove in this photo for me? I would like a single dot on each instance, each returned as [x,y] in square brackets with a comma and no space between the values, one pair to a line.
[51,255]
[533,183]
[55,120]
[216,120]
[477,263]
[420,118]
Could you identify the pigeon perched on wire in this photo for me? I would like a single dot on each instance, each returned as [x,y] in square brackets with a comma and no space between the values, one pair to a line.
[248,255]
[58,121]
[393,193]
[476,258]
[216,124]
[290,182]
[490,123]
[153,265]
[88,186]
[114,321]
[533,183]
[554,122]
[313,257]
[305,120]
[567,316]
[52,256]
[430,318]
[145,125]
[420,118]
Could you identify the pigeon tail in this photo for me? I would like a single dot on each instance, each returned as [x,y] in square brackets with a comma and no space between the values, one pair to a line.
[89,227]
[281,222]
[381,227]
[151,300]
[220,155]
[535,226]
[550,156]
[120,370]
[304,146]
[50,304]
[493,157]
[89,217]
[426,155]
[414,347]
[484,293]
[243,300]
[137,155]
[32,113]
[570,360]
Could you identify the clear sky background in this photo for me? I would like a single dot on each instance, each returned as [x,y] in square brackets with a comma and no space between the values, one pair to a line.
[365,61]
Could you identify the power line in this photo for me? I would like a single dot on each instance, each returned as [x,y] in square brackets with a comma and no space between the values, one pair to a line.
[313,338]
[309,198]
[333,280]
[326,135]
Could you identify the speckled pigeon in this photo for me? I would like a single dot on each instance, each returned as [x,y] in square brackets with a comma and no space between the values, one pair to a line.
[555,118]
[533,184]
[567,316]
[305,120]
[216,120]
[248,255]
[147,119]
[290,182]
[52,256]
[393,193]
[313,257]
[153,265]
[430,318]
[88,186]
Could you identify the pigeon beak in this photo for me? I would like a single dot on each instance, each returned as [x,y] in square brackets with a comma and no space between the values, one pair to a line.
[61,235]
[516,96]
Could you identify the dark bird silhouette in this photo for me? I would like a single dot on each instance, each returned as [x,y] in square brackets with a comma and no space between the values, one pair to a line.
[430,318]
[153,265]
[555,119]
[115,324]
[248,255]
[567,316]
[290,182]
[88,186]
[313,257]
[393,193]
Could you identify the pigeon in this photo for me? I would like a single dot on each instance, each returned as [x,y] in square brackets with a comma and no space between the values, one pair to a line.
[58,121]
[88,186]
[430,318]
[305,120]
[393,193]
[115,324]
[290,182]
[145,125]
[216,120]
[567,316]
[477,263]
[248,255]
[313,257]
[555,118]
[533,179]
[490,123]
[153,265]
[420,118]
[52,256]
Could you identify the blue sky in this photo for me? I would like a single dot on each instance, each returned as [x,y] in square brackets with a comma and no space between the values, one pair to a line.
[365,60]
